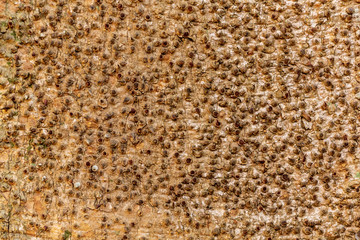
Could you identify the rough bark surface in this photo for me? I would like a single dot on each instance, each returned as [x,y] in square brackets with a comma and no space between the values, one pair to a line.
[166,119]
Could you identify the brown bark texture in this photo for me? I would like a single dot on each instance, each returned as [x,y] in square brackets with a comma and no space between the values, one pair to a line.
[174,119]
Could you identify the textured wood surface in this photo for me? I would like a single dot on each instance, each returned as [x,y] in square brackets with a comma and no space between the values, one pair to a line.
[165,119]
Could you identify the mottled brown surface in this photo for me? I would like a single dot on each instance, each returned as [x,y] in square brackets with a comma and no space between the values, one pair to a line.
[179,119]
